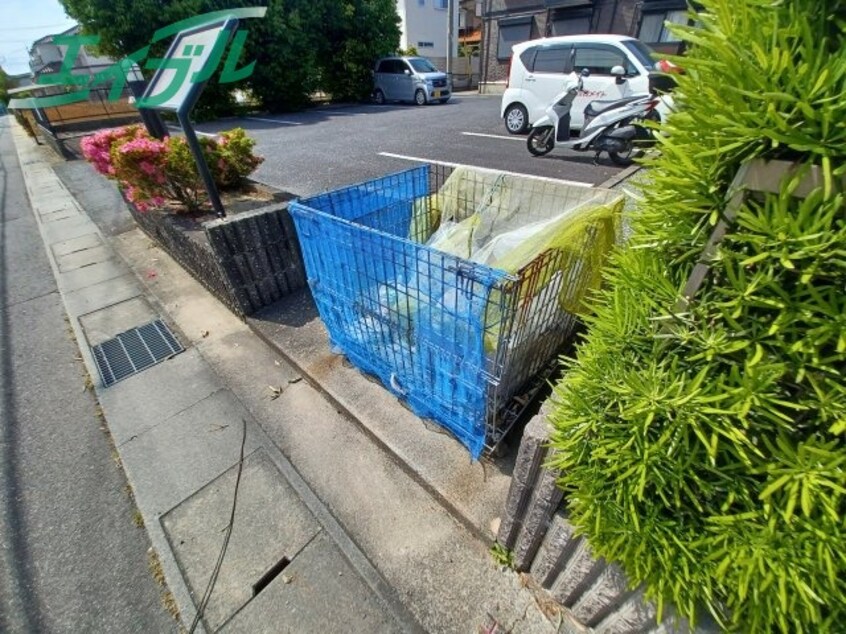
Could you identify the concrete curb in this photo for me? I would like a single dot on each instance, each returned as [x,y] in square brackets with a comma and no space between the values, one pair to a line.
[625,175]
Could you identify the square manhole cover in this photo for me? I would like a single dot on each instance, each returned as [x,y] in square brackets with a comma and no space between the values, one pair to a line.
[135,350]
[272,526]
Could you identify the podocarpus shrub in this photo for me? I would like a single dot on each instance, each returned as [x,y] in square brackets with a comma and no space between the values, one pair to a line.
[704,451]
[151,171]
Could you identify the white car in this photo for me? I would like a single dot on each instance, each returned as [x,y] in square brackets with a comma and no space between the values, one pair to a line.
[538,69]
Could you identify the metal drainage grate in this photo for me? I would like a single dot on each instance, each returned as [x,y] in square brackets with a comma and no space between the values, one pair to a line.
[135,350]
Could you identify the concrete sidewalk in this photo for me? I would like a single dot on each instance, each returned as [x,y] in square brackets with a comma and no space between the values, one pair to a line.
[331,530]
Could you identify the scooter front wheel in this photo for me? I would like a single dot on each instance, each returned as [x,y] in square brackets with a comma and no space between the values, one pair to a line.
[541,140]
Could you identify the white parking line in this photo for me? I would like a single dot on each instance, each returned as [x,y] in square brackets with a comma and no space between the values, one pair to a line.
[283,121]
[346,113]
[547,179]
[495,136]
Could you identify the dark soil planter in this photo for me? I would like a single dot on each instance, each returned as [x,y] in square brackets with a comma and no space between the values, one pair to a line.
[248,260]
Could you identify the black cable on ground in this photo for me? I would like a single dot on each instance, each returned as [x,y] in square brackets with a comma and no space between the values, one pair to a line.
[213,579]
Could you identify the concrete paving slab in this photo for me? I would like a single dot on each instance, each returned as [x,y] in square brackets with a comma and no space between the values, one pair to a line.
[271,524]
[317,592]
[103,204]
[475,491]
[88,241]
[105,324]
[76,279]
[170,461]
[135,405]
[67,229]
[60,214]
[55,203]
[199,315]
[227,356]
[43,185]
[97,296]
[83,257]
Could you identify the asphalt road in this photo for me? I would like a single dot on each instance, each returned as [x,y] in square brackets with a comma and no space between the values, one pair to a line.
[322,148]
[71,559]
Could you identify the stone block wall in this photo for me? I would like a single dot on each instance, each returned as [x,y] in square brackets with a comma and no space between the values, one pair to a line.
[248,261]
[259,256]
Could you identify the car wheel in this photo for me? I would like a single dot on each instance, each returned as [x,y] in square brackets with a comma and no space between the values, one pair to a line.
[516,119]
[379,97]
[420,97]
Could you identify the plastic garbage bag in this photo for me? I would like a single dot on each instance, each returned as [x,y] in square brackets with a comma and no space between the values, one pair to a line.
[485,218]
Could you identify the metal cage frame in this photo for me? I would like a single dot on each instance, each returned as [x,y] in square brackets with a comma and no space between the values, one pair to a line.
[462,343]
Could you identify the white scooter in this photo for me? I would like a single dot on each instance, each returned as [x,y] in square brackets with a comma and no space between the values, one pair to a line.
[609,126]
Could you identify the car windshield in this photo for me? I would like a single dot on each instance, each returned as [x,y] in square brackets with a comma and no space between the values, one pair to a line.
[642,52]
[422,65]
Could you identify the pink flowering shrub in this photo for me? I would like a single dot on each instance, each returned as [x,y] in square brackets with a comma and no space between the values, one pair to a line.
[97,147]
[152,171]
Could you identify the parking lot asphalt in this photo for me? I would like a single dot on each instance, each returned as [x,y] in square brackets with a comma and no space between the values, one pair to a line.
[329,146]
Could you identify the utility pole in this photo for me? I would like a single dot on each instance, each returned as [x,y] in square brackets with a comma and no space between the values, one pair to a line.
[450,36]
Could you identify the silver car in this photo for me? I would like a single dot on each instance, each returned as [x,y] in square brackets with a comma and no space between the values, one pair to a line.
[410,79]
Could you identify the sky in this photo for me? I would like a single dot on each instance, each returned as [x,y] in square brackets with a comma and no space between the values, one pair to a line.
[21,23]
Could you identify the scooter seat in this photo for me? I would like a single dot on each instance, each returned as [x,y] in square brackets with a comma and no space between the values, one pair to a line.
[595,108]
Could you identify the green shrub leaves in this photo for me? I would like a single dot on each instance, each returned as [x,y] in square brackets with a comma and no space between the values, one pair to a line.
[705,451]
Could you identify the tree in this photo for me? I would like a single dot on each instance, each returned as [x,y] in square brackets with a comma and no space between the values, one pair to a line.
[357,32]
[284,44]
[299,46]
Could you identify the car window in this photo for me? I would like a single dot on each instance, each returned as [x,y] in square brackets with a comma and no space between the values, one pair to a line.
[384,66]
[599,59]
[528,58]
[422,65]
[551,59]
[642,52]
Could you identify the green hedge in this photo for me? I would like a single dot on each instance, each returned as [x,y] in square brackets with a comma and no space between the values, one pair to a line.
[705,451]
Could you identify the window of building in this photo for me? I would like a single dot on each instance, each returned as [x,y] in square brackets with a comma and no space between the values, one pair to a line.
[599,59]
[441,4]
[653,26]
[573,19]
[425,44]
[571,26]
[512,31]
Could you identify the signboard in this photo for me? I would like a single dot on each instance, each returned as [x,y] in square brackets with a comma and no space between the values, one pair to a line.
[193,56]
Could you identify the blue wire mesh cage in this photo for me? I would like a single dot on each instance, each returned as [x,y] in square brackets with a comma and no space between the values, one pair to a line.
[459,341]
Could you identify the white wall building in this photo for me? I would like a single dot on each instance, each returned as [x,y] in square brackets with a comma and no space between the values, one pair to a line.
[46,57]
[424,26]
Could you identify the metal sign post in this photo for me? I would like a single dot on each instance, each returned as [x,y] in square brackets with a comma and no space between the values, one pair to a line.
[173,88]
